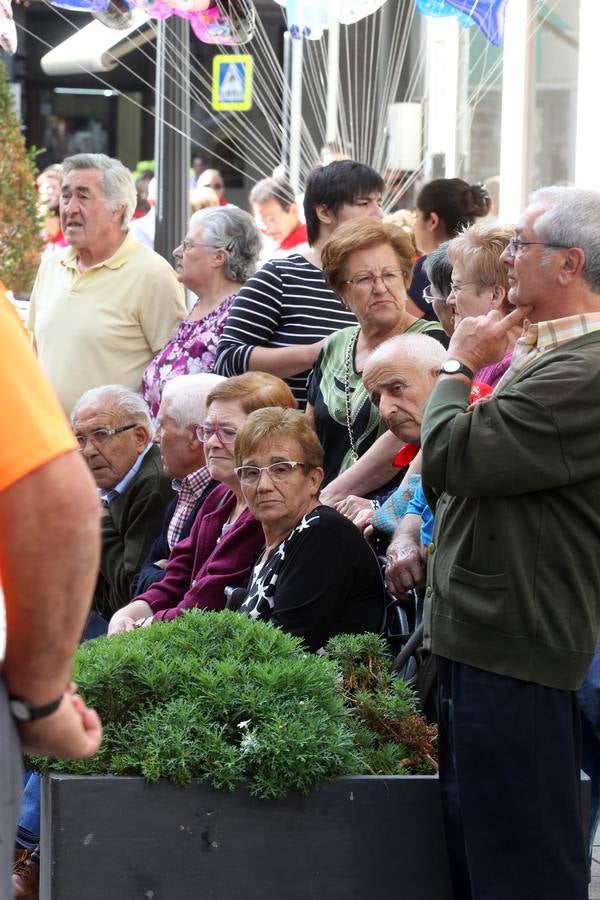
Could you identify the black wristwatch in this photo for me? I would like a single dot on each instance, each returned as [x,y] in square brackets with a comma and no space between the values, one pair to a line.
[455,367]
[23,711]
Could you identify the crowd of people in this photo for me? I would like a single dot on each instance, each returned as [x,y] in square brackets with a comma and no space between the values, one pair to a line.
[303,388]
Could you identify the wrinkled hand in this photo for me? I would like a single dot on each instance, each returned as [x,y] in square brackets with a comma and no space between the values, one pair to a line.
[72,732]
[482,340]
[363,519]
[405,567]
[351,506]
[329,496]
[121,623]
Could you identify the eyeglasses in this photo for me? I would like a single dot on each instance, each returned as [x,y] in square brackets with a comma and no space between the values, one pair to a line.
[428,297]
[515,244]
[101,436]
[367,281]
[187,244]
[279,471]
[225,433]
[456,288]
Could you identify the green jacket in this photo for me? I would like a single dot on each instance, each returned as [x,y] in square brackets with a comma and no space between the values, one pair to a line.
[514,569]
[128,532]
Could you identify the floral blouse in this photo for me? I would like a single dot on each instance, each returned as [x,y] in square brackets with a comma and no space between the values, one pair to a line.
[192,349]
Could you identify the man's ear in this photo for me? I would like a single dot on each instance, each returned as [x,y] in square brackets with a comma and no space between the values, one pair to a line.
[192,438]
[323,214]
[498,295]
[142,437]
[571,266]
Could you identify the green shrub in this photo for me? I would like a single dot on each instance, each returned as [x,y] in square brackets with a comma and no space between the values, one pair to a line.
[20,235]
[221,699]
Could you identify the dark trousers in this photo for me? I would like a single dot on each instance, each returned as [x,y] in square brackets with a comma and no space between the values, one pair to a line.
[509,756]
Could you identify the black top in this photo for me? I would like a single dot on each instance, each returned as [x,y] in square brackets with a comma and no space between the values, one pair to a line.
[150,573]
[322,580]
[419,282]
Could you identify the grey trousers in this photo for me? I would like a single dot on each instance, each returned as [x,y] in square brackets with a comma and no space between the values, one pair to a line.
[11,787]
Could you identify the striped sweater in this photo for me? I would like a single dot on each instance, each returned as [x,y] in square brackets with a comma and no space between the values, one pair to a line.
[285,303]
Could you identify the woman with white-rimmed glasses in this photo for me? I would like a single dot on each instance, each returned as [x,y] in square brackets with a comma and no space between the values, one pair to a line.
[316,576]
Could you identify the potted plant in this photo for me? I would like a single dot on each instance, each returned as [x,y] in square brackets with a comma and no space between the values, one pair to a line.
[236,764]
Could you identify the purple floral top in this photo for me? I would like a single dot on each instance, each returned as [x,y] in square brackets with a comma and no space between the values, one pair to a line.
[192,349]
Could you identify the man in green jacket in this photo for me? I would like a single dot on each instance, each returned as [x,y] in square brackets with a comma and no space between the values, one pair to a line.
[112,425]
[512,609]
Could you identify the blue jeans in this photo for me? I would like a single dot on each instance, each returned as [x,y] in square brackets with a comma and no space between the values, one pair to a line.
[588,697]
[28,832]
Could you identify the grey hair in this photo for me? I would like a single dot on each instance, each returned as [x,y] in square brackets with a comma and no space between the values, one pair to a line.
[572,219]
[184,398]
[425,353]
[116,182]
[127,404]
[232,229]
[438,269]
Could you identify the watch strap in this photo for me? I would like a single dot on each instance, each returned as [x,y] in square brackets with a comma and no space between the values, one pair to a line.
[23,711]
[456,367]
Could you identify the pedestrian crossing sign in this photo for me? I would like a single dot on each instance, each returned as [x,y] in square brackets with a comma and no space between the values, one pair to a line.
[232,81]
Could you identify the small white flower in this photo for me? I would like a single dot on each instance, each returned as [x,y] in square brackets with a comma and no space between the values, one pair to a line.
[244,724]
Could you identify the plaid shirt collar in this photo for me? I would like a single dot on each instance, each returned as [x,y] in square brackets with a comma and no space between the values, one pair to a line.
[189,489]
[194,483]
[541,337]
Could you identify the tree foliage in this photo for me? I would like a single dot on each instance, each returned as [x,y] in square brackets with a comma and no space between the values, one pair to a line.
[20,239]
[222,699]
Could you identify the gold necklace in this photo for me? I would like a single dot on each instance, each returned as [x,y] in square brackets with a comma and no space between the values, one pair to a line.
[347,363]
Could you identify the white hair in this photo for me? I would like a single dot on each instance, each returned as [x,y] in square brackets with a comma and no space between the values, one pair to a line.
[423,352]
[572,219]
[117,182]
[184,398]
[117,398]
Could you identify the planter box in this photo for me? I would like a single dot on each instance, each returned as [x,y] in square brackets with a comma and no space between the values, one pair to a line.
[357,837]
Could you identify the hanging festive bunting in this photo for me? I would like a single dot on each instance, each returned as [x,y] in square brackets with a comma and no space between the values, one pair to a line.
[229,22]
[488,15]
[118,15]
[8,31]
[310,18]
[353,10]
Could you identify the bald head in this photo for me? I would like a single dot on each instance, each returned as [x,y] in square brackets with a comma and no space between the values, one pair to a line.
[399,376]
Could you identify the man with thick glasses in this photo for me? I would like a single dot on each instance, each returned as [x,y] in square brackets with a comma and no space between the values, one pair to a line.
[511,604]
[112,427]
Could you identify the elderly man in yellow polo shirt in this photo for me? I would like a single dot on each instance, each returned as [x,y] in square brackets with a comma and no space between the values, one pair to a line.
[102,307]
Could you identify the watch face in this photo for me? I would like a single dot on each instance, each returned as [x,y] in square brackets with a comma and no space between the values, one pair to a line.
[20,710]
[451,365]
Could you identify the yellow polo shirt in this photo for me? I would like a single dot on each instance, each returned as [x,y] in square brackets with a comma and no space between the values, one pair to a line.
[104,325]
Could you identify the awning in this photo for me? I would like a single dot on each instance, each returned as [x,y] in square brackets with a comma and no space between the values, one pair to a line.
[96,48]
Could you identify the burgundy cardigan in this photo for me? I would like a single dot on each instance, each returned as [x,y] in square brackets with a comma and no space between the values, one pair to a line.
[202,565]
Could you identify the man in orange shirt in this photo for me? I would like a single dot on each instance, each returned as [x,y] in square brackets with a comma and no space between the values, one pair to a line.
[49,541]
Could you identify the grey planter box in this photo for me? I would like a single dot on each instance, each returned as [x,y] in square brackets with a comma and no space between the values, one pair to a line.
[355,838]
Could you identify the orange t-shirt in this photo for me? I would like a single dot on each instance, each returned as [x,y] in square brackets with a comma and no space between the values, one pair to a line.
[33,427]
